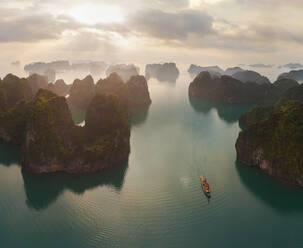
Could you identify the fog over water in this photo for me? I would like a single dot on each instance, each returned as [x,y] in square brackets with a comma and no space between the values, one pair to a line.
[272,73]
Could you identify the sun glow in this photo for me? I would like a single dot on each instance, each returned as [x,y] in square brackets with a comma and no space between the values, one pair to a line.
[198,3]
[195,3]
[92,14]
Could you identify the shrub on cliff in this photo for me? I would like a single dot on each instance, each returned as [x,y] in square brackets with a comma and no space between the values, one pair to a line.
[16,90]
[275,142]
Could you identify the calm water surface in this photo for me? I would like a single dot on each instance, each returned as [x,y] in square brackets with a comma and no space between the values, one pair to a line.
[155,200]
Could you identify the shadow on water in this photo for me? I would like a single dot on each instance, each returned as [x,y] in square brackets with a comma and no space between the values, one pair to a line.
[283,198]
[139,116]
[42,190]
[230,113]
[9,154]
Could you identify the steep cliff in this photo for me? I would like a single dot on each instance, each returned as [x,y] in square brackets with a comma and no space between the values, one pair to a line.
[228,90]
[60,88]
[274,143]
[138,89]
[115,85]
[107,132]
[37,82]
[47,145]
[15,90]
[82,92]
[250,76]
[53,143]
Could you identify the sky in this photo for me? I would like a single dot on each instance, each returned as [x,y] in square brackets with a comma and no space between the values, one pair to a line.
[205,32]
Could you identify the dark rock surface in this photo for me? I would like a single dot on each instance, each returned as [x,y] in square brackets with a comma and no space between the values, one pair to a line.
[82,92]
[232,70]
[294,74]
[138,89]
[273,141]
[37,82]
[115,85]
[227,90]
[53,143]
[250,76]
[15,90]
[59,87]
[162,72]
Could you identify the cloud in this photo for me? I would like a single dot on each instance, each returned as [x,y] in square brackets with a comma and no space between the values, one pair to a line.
[19,26]
[291,66]
[261,66]
[171,25]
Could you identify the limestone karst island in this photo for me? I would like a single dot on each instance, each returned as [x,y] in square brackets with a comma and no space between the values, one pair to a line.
[162,123]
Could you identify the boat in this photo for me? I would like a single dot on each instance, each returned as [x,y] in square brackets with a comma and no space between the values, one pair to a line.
[205,186]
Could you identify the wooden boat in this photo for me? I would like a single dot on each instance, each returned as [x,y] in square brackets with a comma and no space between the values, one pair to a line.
[205,186]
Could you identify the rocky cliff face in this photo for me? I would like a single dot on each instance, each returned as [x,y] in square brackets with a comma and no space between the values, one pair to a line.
[48,145]
[107,132]
[53,143]
[274,143]
[250,76]
[15,90]
[13,122]
[37,82]
[60,88]
[82,92]
[232,70]
[138,89]
[3,103]
[115,85]
[293,93]
[256,114]
[294,74]
[227,90]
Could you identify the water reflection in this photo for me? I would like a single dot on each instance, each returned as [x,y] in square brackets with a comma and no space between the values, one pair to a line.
[280,197]
[9,154]
[42,190]
[230,113]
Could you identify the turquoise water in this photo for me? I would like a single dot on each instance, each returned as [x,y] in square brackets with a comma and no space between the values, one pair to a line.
[155,200]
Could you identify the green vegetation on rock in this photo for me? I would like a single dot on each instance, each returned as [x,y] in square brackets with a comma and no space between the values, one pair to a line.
[51,141]
[273,141]
[16,90]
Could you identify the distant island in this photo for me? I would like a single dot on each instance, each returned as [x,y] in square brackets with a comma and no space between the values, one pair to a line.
[294,74]
[162,72]
[133,94]
[123,70]
[41,122]
[194,70]
[229,90]
[51,69]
